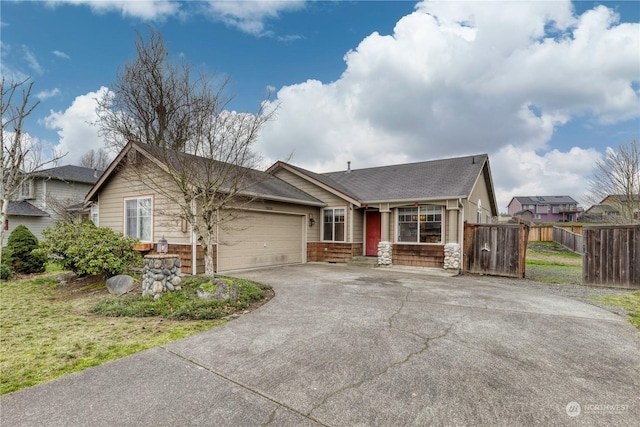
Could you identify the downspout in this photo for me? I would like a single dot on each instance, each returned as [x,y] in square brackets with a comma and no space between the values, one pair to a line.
[217,267]
[194,240]
[461,236]
[351,213]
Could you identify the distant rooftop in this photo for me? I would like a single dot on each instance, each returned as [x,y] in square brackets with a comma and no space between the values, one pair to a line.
[70,173]
[545,200]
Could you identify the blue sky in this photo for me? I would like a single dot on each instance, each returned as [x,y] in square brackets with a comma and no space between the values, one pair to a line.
[542,87]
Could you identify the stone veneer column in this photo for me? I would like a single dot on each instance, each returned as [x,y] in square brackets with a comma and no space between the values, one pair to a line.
[384,254]
[452,254]
[161,273]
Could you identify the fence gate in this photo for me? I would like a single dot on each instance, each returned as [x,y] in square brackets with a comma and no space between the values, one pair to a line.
[497,249]
[612,256]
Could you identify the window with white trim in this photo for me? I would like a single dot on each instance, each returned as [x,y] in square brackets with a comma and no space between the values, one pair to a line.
[138,218]
[419,224]
[479,212]
[94,214]
[333,224]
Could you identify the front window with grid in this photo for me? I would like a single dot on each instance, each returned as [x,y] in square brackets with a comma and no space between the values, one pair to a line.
[333,224]
[420,224]
[94,214]
[138,218]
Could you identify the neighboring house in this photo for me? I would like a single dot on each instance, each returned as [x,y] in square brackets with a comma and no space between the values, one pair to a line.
[300,216]
[621,204]
[545,208]
[601,213]
[45,195]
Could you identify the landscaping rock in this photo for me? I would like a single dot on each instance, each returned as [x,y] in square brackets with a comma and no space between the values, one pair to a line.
[120,284]
[223,291]
[64,278]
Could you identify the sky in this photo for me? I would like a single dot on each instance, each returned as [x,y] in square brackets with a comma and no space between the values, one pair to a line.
[543,87]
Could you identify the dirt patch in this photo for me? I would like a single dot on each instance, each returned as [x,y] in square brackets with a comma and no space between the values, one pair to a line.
[80,287]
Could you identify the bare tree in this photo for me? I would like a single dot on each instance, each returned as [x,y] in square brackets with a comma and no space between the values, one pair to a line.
[181,118]
[21,154]
[95,159]
[616,181]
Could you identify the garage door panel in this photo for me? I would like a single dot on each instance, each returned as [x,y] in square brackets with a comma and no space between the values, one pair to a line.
[260,239]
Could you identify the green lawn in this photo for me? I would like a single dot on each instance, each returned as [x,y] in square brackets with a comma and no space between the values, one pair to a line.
[47,331]
[630,302]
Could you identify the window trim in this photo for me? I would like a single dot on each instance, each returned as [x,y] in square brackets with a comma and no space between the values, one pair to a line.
[95,210]
[322,223]
[124,216]
[22,195]
[397,225]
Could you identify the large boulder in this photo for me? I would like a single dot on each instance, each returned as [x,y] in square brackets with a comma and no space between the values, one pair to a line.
[120,284]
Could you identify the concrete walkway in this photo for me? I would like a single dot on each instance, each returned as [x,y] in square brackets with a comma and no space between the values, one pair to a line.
[346,346]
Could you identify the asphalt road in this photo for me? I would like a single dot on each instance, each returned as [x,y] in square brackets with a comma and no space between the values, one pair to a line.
[346,346]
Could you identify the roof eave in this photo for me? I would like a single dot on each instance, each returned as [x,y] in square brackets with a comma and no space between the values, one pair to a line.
[285,199]
[413,200]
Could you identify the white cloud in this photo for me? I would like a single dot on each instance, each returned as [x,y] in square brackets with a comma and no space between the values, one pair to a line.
[77,135]
[459,78]
[46,94]
[247,16]
[521,172]
[151,10]
[61,54]
[31,60]
[250,16]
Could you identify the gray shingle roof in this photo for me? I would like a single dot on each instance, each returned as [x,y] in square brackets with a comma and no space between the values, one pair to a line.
[435,179]
[24,209]
[260,184]
[70,173]
[545,200]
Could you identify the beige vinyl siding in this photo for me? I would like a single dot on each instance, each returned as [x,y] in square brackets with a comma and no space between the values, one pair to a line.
[332,201]
[310,188]
[123,186]
[479,192]
[358,224]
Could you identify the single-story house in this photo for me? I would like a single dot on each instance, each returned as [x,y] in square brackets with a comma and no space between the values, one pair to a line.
[299,216]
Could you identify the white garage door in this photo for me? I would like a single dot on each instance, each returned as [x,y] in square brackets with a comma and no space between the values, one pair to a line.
[261,239]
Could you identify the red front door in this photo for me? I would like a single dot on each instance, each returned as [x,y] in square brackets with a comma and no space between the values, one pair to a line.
[373,233]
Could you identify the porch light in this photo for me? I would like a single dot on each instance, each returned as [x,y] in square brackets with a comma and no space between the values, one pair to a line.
[311,220]
[163,246]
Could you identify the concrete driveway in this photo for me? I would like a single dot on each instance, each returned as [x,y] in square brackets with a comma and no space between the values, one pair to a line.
[345,346]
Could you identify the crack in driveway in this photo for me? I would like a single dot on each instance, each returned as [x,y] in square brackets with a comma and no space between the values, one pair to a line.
[244,387]
[390,321]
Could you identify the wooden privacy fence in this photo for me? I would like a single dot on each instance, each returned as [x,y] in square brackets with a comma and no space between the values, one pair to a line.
[497,249]
[569,240]
[544,233]
[612,256]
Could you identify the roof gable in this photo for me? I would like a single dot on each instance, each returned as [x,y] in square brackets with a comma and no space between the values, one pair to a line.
[260,184]
[429,180]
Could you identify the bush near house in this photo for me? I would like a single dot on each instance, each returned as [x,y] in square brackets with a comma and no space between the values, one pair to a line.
[89,250]
[22,255]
